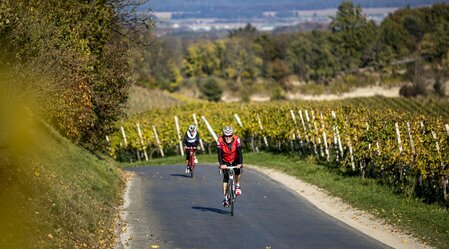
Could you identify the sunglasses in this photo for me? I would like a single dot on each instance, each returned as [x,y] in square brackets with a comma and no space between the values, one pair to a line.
[228,136]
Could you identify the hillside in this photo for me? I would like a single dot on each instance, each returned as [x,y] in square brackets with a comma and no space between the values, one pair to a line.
[54,194]
[142,99]
[249,61]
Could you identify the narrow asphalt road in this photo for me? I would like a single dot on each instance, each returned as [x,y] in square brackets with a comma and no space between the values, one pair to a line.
[168,209]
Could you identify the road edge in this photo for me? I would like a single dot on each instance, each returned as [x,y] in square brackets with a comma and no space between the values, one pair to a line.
[123,233]
[337,208]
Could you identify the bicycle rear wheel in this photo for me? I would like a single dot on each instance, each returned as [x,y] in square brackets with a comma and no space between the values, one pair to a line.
[232,207]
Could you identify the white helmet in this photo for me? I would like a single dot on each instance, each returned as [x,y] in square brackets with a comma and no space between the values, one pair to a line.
[192,128]
[228,131]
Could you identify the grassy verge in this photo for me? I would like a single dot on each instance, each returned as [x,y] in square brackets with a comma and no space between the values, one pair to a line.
[55,194]
[429,223]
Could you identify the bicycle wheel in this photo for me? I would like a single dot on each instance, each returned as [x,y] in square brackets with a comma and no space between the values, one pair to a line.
[191,164]
[232,207]
[231,195]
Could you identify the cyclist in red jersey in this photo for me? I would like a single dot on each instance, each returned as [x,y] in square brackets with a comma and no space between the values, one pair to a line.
[230,153]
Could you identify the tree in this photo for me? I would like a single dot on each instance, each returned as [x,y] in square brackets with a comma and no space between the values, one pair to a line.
[80,47]
[156,64]
[310,56]
[279,72]
[435,42]
[271,48]
[248,32]
[351,34]
[240,62]
[212,90]
[193,62]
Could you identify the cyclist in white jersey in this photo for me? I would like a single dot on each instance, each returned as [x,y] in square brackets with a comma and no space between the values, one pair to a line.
[191,139]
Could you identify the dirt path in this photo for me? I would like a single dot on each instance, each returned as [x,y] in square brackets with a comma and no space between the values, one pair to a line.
[359,92]
[335,207]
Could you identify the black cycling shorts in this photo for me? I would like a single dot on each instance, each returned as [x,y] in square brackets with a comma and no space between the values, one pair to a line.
[226,175]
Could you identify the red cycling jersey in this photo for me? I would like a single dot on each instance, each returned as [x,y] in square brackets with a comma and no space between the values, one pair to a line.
[230,151]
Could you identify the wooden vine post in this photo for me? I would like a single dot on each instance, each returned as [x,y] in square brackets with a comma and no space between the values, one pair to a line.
[398,136]
[197,128]
[303,125]
[158,141]
[144,147]
[324,137]
[261,128]
[124,136]
[298,134]
[317,133]
[310,128]
[445,177]
[179,136]
[337,140]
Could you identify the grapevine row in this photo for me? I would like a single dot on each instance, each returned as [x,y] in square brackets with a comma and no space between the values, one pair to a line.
[409,151]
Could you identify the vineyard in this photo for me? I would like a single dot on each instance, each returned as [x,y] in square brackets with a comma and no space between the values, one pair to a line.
[401,142]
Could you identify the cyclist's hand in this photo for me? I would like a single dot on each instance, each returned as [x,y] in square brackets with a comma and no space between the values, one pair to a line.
[239,166]
[223,166]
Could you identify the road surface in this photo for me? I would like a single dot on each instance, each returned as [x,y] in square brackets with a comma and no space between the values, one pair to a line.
[168,209]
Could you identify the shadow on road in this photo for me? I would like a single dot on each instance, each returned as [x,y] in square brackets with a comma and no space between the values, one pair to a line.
[181,175]
[215,210]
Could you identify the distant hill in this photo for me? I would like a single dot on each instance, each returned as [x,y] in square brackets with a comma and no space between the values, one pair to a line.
[256,8]
[270,5]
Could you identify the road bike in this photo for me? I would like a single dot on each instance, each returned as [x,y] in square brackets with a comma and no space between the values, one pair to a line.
[230,193]
[191,162]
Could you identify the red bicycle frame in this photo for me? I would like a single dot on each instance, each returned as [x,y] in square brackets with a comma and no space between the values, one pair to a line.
[191,163]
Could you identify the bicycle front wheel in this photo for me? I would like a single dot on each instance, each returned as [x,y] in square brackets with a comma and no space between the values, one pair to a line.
[231,195]
[192,165]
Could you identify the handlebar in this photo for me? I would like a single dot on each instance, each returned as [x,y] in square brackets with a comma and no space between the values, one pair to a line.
[190,147]
[233,167]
